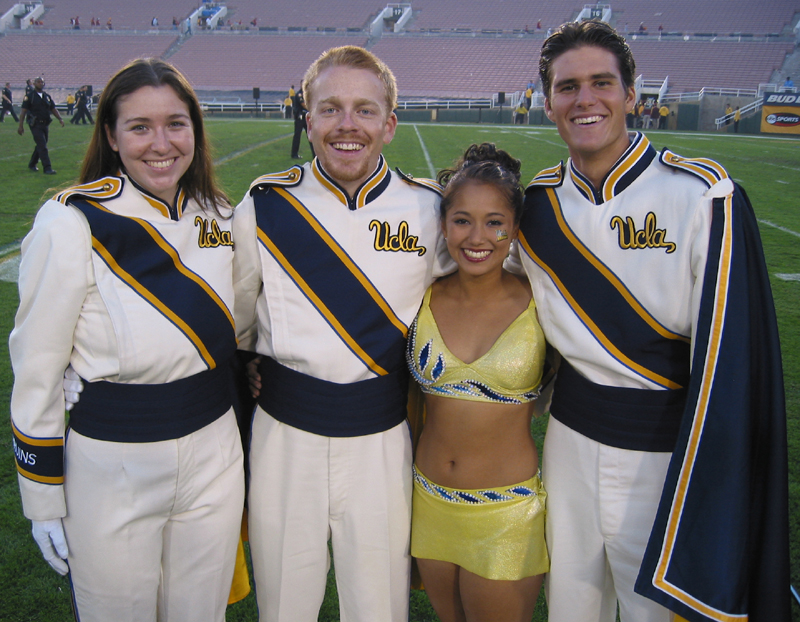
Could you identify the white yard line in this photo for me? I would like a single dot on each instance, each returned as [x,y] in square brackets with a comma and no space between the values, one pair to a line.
[246,150]
[784,229]
[425,152]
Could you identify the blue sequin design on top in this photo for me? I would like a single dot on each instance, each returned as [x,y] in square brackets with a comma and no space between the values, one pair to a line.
[473,497]
[465,388]
[509,372]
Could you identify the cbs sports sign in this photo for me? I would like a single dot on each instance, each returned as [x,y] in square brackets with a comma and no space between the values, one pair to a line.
[780,113]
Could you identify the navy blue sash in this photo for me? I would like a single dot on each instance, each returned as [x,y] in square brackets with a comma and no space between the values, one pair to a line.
[147,413]
[329,408]
[136,253]
[618,322]
[331,281]
[638,419]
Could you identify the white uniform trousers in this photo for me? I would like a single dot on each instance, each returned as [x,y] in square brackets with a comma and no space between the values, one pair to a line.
[152,528]
[306,489]
[601,503]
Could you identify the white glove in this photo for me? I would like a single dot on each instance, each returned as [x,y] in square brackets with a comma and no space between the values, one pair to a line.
[73,385]
[49,535]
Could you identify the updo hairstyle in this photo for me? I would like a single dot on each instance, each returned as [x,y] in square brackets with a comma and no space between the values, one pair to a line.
[483,164]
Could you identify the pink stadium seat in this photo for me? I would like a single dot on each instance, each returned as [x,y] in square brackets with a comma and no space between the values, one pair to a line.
[69,60]
[223,61]
[709,16]
[310,14]
[126,15]
[428,60]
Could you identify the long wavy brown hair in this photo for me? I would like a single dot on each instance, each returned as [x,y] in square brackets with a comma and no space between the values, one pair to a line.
[101,160]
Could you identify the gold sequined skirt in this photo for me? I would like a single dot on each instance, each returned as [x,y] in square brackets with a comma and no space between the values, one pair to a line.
[496,533]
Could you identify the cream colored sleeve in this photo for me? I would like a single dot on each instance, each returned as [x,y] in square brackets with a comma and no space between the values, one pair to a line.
[247,284]
[55,272]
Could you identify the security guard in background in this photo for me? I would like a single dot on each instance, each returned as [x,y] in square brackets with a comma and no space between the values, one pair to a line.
[299,111]
[82,107]
[36,107]
[8,107]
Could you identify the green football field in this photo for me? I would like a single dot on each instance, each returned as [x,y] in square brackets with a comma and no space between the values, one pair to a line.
[768,168]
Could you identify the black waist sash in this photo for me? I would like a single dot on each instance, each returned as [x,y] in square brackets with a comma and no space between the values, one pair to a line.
[639,419]
[146,413]
[329,408]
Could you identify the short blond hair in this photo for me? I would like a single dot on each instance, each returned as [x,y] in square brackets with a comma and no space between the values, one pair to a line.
[357,58]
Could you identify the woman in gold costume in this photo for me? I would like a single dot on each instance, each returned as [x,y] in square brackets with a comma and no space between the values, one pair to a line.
[477,352]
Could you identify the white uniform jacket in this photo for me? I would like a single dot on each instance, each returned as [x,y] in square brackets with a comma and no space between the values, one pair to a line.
[657,281]
[144,295]
[376,254]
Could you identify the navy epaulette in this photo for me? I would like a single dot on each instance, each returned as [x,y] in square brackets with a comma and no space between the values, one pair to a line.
[551,177]
[430,184]
[709,171]
[289,178]
[99,190]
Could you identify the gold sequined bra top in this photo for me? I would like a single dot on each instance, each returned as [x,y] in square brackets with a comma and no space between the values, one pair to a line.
[509,373]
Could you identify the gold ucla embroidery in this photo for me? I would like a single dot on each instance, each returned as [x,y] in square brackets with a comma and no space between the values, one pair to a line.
[648,237]
[399,242]
[211,235]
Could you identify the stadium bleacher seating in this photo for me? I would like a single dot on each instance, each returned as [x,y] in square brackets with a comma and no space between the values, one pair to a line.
[472,48]
[723,17]
[307,14]
[125,15]
[68,60]
[269,62]
[478,15]
[692,65]
[459,67]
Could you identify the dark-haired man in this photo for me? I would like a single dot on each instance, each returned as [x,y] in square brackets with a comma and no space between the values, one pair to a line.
[82,107]
[665,454]
[8,106]
[37,108]
[332,261]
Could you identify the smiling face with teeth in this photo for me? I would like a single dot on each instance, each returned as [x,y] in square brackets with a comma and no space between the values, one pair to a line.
[588,101]
[154,138]
[470,227]
[349,123]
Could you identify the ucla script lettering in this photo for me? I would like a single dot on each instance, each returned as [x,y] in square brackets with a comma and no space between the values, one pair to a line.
[650,236]
[211,235]
[399,242]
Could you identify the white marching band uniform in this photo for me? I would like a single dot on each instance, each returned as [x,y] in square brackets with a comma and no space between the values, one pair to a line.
[151,506]
[326,286]
[633,281]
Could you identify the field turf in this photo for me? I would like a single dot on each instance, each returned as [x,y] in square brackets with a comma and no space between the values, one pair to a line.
[768,168]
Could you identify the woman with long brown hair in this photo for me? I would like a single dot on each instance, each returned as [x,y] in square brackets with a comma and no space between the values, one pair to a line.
[127,277]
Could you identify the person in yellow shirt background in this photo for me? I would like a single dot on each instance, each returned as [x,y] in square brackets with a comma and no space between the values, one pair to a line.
[663,113]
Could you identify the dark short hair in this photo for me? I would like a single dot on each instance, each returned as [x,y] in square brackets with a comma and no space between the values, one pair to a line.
[100,160]
[484,164]
[591,32]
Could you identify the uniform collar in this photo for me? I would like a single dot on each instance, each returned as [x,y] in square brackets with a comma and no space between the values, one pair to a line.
[174,211]
[626,170]
[370,190]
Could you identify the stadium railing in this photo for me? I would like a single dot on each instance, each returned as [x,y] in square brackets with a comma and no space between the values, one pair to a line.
[696,95]
[241,107]
[745,111]
[446,104]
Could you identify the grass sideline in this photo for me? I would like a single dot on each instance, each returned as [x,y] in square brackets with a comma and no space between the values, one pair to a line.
[768,168]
